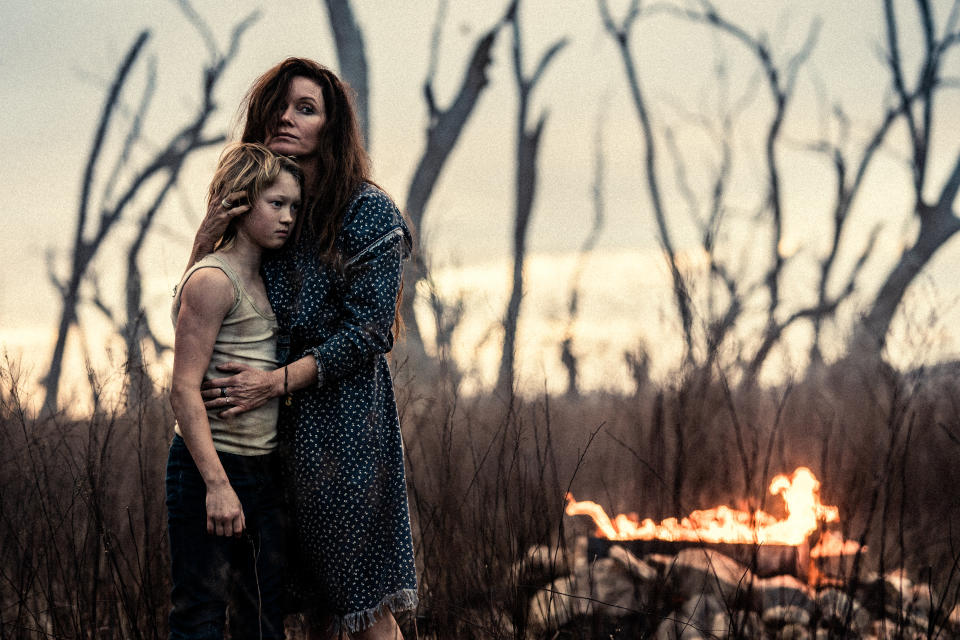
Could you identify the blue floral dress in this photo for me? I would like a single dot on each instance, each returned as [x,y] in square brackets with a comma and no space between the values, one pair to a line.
[353,553]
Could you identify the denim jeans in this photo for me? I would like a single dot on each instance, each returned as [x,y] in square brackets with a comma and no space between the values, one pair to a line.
[214,574]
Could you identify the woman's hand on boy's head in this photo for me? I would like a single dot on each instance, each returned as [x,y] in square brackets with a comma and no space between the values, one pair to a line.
[220,212]
[235,203]
[247,389]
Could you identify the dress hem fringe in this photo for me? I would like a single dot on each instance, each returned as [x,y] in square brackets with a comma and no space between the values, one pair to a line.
[403,600]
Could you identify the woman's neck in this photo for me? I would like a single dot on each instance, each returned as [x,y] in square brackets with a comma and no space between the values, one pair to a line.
[310,167]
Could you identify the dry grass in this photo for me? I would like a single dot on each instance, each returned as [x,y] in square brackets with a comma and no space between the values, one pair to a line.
[83,550]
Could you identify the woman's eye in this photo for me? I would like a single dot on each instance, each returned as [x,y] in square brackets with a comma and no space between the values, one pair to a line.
[306,109]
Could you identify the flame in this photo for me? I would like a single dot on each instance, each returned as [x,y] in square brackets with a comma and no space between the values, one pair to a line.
[830,544]
[800,491]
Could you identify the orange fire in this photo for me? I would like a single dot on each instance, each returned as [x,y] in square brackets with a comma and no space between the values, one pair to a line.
[800,491]
[832,544]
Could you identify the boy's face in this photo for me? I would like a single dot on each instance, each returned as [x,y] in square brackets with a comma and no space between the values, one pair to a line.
[269,221]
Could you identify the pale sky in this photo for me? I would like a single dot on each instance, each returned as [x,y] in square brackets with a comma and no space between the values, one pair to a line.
[57,59]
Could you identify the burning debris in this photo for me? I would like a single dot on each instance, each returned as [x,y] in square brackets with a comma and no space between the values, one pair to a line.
[723,572]
[766,544]
[700,593]
[801,495]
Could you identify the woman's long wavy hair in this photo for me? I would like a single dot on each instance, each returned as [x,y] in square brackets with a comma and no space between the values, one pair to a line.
[343,162]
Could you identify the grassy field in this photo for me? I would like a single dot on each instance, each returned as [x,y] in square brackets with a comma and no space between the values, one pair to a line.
[82,521]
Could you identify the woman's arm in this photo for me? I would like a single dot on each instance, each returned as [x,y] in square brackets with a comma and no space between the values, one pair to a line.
[206,298]
[215,223]
[250,388]
[375,241]
[369,308]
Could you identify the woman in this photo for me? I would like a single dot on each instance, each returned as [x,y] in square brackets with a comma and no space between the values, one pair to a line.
[334,289]
[221,471]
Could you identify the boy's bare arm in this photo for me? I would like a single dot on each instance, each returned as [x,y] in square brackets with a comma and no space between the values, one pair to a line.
[206,298]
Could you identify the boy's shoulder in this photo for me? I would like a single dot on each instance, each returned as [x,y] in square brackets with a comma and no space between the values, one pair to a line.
[208,287]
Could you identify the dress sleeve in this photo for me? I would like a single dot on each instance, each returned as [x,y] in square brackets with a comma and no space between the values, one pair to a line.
[374,242]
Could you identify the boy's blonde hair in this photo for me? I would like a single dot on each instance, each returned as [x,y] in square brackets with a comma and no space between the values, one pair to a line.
[249,167]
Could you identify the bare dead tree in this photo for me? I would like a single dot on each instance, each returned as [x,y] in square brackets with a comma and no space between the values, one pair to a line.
[847,186]
[137,327]
[779,80]
[567,356]
[351,58]
[915,105]
[725,295]
[528,143]
[622,35]
[443,131]
[164,165]
[781,84]
[84,249]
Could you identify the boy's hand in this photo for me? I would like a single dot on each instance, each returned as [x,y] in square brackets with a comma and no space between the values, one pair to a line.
[224,512]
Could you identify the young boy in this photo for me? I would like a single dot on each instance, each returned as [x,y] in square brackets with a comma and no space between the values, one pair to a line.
[223,498]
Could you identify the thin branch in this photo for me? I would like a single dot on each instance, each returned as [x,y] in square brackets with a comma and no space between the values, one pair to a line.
[109,108]
[948,194]
[133,134]
[800,57]
[895,64]
[99,300]
[683,183]
[236,34]
[567,356]
[55,280]
[621,34]
[435,38]
[201,26]
[547,57]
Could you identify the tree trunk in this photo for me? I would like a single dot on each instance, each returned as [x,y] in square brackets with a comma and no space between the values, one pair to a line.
[528,144]
[442,135]
[352,58]
[937,225]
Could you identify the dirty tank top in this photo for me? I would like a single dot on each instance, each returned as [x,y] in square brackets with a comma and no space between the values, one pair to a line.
[248,335]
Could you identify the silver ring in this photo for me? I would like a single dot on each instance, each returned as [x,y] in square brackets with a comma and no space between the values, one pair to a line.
[226,204]
[223,392]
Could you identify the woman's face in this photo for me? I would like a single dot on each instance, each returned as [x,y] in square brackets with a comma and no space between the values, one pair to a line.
[268,223]
[303,116]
